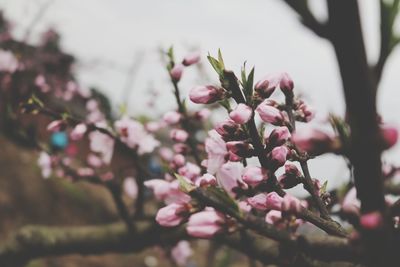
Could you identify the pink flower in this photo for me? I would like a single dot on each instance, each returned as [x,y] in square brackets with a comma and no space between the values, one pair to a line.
[179,135]
[291,177]
[56,126]
[390,136]
[229,176]
[216,151]
[227,128]
[286,84]
[206,94]
[265,201]
[206,180]
[171,215]
[313,141]
[205,224]
[253,175]
[181,253]
[172,117]
[94,161]
[191,59]
[44,162]
[202,114]
[130,187]
[291,204]
[161,188]
[102,144]
[273,217]
[240,148]
[190,171]
[270,114]
[178,160]
[351,204]
[176,72]
[8,62]
[166,153]
[241,114]
[278,156]
[78,132]
[372,220]
[244,206]
[278,136]
[266,86]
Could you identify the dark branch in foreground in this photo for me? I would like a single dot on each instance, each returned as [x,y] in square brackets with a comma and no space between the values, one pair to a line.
[32,242]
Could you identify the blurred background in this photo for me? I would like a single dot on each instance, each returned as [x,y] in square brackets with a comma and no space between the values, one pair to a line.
[117,45]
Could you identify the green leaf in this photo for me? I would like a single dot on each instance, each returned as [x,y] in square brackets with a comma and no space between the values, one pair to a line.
[249,85]
[226,104]
[37,101]
[216,65]
[220,59]
[323,188]
[184,185]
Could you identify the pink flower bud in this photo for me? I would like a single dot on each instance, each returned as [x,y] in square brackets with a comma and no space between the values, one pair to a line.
[270,114]
[390,136]
[205,224]
[314,142]
[179,135]
[244,206]
[206,94]
[227,129]
[171,215]
[206,180]
[253,175]
[230,176]
[351,205]
[94,161]
[286,84]
[178,160]
[172,117]
[181,252]
[372,220]
[161,188]
[278,136]
[270,201]
[241,114]
[180,148]
[304,112]
[166,153]
[130,187]
[240,148]
[56,126]
[78,132]
[202,114]
[266,86]
[291,204]
[190,171]
[176,72]
[278,156]
[191,59]
[273,217]
[291,177]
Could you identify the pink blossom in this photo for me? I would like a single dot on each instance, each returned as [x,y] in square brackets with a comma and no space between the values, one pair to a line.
[351,204]
[205,94]
[191,59]
[273,217]
[172,117]
[372,220]
[203,114]
[171,215]
[92,105]
[181,252]
[85,172]
[313,141]
[229,176]
[178,160]
[154,126]
[278,136]
[266,86]
[291,204]
[390,136]
[180,148]
[227,129]
[94,161]
[8,62]
[240,148]
[244,206]
[270,114]
[278,156]
[291,177]
[130,187]
[253,175]
[286,84]
[56,126]
[205,224]
[241,114]
[179,135]
[190,171]
[78,132]
[102,144]
[265,201]
[216,151]
[206,180]
[274,201]
[166,153]
[176,72]
[44,162]
[161,188]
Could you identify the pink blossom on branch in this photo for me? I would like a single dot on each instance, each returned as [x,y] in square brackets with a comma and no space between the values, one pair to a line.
[241,114]
[171,215]
[181,253]
[205,224]
[206,94]
[270,114]
[191,59]
[254,175]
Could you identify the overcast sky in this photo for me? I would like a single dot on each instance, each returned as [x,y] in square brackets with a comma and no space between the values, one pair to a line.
[107,35]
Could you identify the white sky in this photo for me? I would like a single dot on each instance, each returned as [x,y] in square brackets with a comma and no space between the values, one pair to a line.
[106,35]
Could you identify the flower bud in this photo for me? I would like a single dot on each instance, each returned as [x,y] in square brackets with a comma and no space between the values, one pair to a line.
[270,201]
[278,156]
[270,114]
[171,215]
[178,160]
[372,220]
[205,224]
[273,217]
[78,132]
[314,142]
[191,59]
[291,177]
[278,136]
[286,84]
[206,180]
[179,135]
[176,72]
[130,187]
[172,117]
[240,148]
[291,204]
[241,114]
[266,86]
[206,94]
[181,253]
[56,126]
[202,114]
[227,129]
[390,136]
[253,175]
